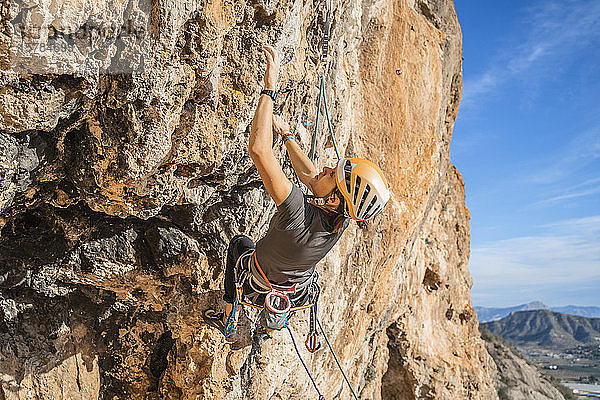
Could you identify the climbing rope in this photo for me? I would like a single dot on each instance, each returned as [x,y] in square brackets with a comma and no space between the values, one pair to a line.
[322,100]
[335,358]
[321,397]
[322,92]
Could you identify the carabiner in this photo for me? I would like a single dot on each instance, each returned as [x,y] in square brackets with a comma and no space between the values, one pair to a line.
[312,343]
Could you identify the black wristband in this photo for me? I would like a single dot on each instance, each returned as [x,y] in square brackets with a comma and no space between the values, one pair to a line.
[271,93]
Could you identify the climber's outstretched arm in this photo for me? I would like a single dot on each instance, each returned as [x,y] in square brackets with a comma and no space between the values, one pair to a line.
[261,136]
[304,168]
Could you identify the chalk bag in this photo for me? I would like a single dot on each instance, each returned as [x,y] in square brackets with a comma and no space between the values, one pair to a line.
[275,313]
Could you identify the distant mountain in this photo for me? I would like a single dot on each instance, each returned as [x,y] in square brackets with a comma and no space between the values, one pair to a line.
[547,329]
[486,314]
[590,312]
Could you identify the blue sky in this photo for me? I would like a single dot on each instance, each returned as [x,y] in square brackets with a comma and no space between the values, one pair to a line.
[527,142]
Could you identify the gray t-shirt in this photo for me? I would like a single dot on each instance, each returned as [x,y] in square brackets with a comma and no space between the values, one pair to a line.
[299,236]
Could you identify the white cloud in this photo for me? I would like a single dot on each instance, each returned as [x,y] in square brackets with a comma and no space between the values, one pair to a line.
[565,255]
[474,88]
[529,56]
[586,225]
[578,154]
[463,142]
[555,31]
[586,183]
[571,195]
[583,189]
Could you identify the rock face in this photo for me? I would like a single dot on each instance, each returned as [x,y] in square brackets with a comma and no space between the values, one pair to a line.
[124,173]
[517,379]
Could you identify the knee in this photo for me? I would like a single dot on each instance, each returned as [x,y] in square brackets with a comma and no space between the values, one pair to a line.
[236,238]
[240,240]
[233,243]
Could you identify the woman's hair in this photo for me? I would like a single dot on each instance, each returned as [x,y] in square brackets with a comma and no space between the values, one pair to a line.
[341,215]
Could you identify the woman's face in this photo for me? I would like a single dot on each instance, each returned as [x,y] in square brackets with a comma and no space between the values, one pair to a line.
[324,183]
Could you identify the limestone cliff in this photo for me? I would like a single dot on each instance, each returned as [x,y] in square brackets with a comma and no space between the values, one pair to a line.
[517,378]
[124,173]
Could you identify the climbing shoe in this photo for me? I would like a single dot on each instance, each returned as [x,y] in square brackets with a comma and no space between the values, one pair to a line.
[215,319]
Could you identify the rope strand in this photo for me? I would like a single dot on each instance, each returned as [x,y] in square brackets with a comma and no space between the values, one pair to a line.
[322,91]
[322,100]
[321,397]
[329,121]
[336,359]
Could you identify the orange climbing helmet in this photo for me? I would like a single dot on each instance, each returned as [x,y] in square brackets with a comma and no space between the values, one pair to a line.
[363,186]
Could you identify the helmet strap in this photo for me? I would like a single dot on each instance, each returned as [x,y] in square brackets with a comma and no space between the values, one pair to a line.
[322,201]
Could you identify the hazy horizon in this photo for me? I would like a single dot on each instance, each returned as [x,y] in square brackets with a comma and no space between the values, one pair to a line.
[535,301]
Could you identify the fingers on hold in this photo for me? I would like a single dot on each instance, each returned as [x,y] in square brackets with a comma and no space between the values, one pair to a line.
[268,55]
[272,52]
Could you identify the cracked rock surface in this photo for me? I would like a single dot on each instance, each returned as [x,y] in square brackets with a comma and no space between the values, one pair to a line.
[124,173]
[517,377]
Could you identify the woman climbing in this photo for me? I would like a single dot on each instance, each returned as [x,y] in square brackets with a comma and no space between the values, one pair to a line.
[300,232]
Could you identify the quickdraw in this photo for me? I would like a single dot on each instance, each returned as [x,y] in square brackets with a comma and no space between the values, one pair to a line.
[312,338]
[322,92]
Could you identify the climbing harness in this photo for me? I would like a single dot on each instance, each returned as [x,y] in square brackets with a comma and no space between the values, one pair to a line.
[277,307]
[276,311]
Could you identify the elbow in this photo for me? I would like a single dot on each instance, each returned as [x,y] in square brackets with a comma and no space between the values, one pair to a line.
[257,152]
[256,147]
